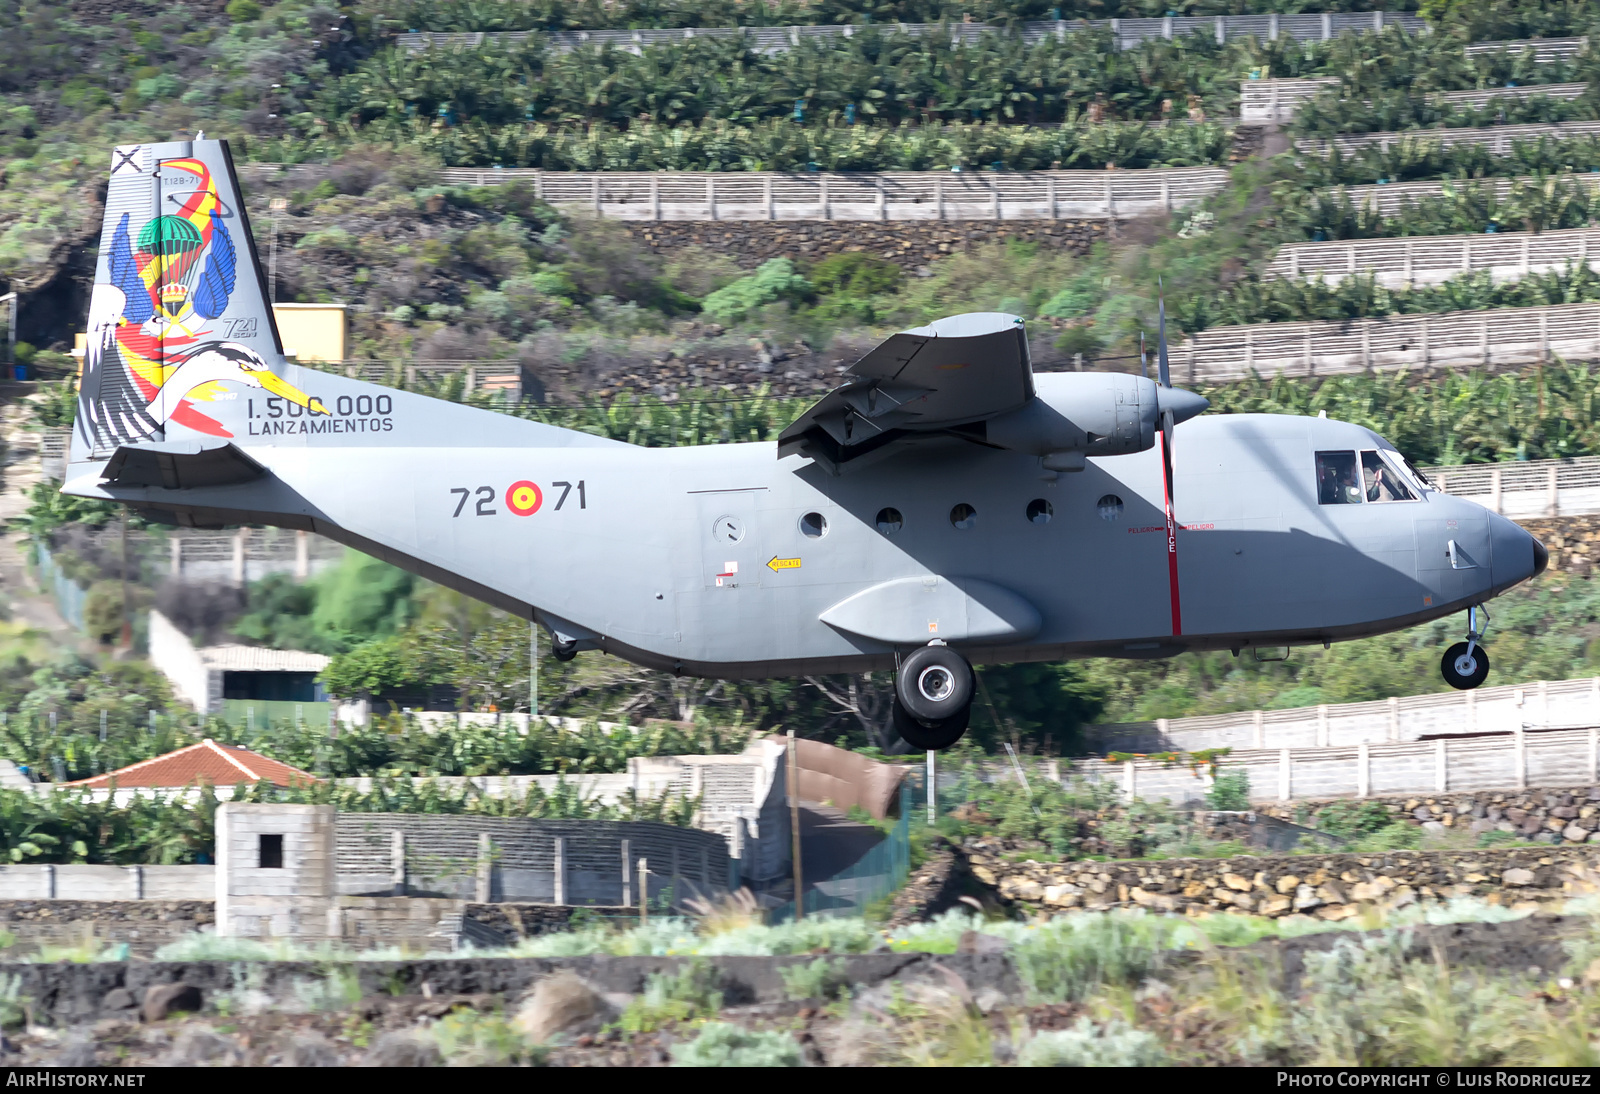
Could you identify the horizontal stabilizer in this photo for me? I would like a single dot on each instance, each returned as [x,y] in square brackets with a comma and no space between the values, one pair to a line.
[180,465]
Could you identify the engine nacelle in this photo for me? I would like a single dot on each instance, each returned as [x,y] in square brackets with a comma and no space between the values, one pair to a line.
[1086,413]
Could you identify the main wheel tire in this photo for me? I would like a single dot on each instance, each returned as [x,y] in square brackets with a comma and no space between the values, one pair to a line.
[934,683]
[931,738]
[563,651]
[1462,670]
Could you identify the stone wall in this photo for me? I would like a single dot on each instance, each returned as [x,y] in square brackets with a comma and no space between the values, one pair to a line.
[515,922]
[1573,542]
[145,925]
[1332,887]
[1542,816]
[909,244]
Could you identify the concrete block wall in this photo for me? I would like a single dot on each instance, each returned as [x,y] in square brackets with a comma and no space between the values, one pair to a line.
[80,882]
[266,901]
[442,858]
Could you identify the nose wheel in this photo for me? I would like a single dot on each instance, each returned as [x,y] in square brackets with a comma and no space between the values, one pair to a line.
[933,697]
[1466,664]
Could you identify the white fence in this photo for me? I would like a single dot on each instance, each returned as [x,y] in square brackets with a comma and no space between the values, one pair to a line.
[902,195]
[1498,138]
[1545,50]
[1278,100]
[76,882]
[1390,198]
[1511,761]
[1503,709]
[1540,734]
[1524,491]
[1429,260]
[1502,336]
[1127,32]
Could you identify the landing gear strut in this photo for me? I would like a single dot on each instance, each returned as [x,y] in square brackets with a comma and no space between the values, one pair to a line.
[933,697]
[1466,664]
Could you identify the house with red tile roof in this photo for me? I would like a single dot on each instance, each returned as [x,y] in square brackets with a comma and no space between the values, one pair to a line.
[205,764]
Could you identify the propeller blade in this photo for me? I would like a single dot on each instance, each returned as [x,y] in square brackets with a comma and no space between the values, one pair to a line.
[1163,370]
[1168,425]
[1144,358]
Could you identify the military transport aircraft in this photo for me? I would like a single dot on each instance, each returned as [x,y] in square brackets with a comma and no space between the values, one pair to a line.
[944,506]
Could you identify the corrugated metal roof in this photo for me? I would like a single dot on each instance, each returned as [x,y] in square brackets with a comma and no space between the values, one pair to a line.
[205,763]
[256,659]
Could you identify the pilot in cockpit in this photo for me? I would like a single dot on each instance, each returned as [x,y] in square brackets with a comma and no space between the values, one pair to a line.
[1338,485]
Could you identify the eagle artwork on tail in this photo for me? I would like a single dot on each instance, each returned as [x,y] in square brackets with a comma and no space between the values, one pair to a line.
[152,353]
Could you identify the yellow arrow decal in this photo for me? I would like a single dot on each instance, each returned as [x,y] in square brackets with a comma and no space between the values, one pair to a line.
[783,564]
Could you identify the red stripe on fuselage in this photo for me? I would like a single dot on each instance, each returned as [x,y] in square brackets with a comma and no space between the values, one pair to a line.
[1172,544]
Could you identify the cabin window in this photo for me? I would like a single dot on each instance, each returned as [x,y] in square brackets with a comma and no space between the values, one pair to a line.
[813,525]
[1382,481]
[964,516]
[890,521]
[1109,507]
[1040,511]
[1337,483]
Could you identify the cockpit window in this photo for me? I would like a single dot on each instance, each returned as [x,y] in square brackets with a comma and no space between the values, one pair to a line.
[1416,474]
[1337,483]
[1382,481]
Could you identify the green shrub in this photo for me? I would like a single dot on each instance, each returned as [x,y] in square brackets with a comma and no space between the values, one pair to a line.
[1230,792]
[819,979]
[683,996]
[1117,1045]
[721,1044]
[244,11]
[13,1004]
[1070,957]
[776,280]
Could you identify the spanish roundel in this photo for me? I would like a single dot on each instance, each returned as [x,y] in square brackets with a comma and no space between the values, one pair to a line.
[524,498]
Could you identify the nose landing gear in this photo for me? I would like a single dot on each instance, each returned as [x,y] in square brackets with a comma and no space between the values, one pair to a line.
[1466,664]
[933,697]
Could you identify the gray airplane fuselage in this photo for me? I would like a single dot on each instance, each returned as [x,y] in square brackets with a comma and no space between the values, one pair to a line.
[699,560]
[913,504]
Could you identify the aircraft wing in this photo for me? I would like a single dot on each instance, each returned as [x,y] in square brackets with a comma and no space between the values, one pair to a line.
[926,380]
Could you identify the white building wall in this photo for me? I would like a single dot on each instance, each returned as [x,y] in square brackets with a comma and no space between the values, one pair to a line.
[175,657]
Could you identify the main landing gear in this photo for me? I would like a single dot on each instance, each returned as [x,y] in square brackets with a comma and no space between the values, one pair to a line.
[933,697]
[1466,664]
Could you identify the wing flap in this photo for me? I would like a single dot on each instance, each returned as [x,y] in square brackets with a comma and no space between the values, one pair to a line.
[928,380]
[180,465]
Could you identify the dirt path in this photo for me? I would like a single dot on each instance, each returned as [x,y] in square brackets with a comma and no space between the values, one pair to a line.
[22,600]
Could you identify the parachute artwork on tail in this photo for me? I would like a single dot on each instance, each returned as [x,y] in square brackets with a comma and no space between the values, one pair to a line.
[159,342]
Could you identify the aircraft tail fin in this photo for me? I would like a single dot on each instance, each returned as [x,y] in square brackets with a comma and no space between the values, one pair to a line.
[178,296]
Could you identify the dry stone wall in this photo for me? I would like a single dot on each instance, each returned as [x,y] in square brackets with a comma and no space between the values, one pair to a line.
[1328,887]
[910,244]
[1573,542]
[144,925]
[1540,816]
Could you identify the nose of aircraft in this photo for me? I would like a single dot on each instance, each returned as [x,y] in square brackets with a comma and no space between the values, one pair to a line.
[1517,555]
[1183,404]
